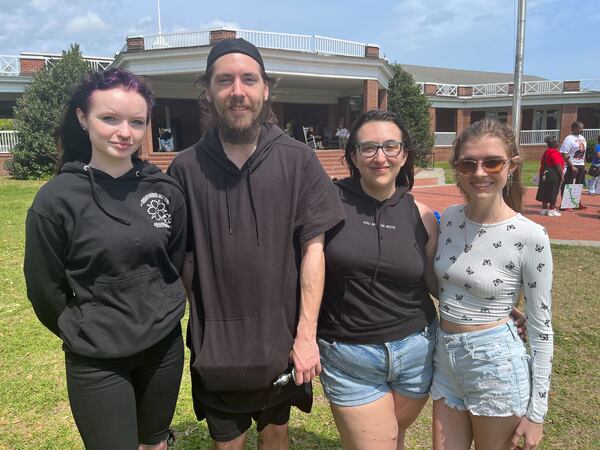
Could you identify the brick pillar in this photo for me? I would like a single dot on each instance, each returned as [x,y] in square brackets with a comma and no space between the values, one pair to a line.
[383,99]
[371,51]
[370,95]
[344,110]
[221,35]
[135,44]
[463,119]
[568,115]
[31,64]
[332,117]
[146,149]
[571,86]
[432,120]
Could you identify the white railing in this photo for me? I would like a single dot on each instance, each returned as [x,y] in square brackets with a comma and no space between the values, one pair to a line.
[589,86]
[447,90]
[421,87]
[542,87]
[8,140]
[9,66]
[338,47]
[443,139]
[282,41]
[490,89]
[530,137]
[590,133]
[175,40]
[94,63]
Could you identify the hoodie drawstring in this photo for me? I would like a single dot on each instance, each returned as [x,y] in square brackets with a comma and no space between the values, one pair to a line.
[377,225]
[253,206]
[227,203]
[97,200]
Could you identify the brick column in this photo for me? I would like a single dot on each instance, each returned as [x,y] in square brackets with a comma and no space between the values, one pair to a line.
[370,95]
[221,35]
[344,110]
[146,149]
[31,64]
[383,99]
[371,51]
[463,119]
[568,115]
[432,120]
[135,44]
[571,86]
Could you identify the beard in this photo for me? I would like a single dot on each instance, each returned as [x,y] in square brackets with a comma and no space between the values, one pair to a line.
[240,135]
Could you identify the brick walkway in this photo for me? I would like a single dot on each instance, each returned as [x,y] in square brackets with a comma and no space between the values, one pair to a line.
[580,227]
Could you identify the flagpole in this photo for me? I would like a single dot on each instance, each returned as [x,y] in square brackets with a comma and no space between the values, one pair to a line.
[520,49]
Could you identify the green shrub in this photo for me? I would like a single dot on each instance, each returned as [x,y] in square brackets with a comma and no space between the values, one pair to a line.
[38,113]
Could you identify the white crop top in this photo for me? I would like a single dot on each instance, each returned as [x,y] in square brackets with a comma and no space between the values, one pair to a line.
[481,270]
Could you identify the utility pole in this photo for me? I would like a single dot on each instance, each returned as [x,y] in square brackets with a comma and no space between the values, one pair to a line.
[520,48]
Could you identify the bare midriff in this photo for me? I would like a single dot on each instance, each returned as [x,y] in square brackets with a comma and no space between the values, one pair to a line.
[453,328]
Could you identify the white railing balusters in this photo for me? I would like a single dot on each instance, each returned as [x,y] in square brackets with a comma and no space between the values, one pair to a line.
[447,90]
[590,133]
[9,65]
[443,138]
[8,140]
[529,137]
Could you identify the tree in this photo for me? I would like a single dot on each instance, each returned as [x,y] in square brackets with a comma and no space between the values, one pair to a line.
[38,113]
[406,100]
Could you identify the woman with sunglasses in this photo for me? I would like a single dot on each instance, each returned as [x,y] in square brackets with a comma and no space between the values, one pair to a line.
[486,387]
[377,323]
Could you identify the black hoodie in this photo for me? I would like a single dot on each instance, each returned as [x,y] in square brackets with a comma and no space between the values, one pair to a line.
[375,291]
[102,258]
[247,226]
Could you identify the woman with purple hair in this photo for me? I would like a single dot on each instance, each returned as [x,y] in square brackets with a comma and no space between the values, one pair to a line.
[105,242]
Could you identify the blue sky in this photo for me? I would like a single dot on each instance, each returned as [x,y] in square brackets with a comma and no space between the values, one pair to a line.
[561,37]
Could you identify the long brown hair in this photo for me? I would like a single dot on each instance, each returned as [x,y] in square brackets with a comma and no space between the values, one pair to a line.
[513,190]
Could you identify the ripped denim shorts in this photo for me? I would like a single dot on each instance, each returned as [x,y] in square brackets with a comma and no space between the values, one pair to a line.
[485,372]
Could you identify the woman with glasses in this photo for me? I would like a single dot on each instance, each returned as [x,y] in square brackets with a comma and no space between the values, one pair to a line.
[377,324]
[486,387]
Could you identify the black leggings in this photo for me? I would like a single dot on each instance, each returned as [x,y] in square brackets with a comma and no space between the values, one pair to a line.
[122,402]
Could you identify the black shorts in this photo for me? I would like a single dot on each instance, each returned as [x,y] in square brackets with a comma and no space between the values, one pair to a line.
[226,426]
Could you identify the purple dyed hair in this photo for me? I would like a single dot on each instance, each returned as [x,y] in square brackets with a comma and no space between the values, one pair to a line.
[72,142]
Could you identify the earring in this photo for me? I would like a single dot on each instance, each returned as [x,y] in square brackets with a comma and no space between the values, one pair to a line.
[83,127]
[509,182]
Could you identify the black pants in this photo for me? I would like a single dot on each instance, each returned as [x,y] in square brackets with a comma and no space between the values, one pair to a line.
[571,177]
[122,402]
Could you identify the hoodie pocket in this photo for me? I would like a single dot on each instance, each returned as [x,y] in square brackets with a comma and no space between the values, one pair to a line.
[245,354]
[127,315]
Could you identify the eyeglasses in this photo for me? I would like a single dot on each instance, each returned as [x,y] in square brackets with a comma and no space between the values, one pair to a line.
[370,149]
[490,165]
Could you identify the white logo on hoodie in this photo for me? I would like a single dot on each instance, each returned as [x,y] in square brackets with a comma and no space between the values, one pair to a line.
[156,207]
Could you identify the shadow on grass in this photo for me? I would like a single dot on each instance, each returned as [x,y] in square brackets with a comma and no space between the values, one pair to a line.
[194,435]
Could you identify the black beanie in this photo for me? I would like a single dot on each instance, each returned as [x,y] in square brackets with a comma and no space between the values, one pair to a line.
[234,46]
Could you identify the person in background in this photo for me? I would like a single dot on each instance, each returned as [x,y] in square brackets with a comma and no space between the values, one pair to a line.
[551,172]
[573,152]
[105,242]
[594,182]
[378,323]
[486,388]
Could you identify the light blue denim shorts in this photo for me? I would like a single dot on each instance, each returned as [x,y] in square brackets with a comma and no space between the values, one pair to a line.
[356,374]
[485,372]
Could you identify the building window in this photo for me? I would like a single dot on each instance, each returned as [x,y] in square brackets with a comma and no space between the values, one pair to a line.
[545,119]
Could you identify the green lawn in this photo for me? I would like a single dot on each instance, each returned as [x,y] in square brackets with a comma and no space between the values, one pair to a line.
[530,169]
[34,411]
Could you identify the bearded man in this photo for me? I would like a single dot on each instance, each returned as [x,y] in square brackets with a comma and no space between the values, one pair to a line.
[259,203]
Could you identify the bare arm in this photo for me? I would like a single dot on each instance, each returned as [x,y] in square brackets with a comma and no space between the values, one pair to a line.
[431,225]
[187,274]
[305,352]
